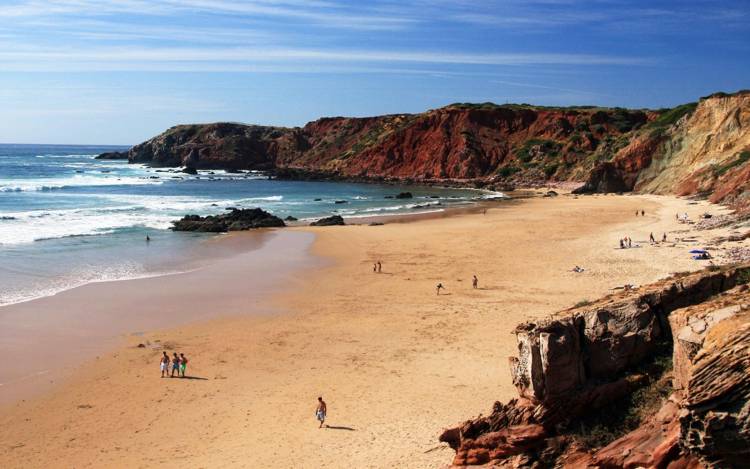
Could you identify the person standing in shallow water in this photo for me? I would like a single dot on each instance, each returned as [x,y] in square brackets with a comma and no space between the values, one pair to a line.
[321,411]
[175,365]
[164,365]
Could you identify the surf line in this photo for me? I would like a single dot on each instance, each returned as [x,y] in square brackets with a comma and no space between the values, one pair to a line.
[24,378]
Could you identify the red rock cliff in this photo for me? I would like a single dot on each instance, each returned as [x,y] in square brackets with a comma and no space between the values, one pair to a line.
[696,149]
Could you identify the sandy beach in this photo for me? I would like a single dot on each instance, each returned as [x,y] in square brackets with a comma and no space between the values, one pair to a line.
[395,362]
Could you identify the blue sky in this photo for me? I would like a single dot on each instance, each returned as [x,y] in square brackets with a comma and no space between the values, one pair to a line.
[120,71]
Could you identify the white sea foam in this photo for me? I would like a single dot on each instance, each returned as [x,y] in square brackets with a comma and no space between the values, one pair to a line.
[79,276]
[72,155]
[494,195]
[79,180]
[36,225]
[122,211]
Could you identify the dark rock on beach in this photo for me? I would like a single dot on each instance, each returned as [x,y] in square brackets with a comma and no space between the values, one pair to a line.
[329,221]
[236,220]
[290,218]
[404,195]
[190,170]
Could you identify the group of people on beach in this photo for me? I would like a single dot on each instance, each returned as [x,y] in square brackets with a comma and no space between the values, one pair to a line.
[627,242]
[179,365]
[652,240]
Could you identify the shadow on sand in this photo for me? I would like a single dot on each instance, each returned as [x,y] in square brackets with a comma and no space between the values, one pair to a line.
[333,427]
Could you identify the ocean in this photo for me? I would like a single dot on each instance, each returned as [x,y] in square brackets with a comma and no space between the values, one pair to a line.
[67,219]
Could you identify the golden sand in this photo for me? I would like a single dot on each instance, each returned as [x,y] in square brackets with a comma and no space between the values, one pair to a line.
[395,362]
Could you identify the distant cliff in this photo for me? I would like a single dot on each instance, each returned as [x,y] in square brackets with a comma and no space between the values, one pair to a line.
[699,148]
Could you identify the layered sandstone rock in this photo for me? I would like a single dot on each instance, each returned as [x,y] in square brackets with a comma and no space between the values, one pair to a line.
[705,152]
[589,358]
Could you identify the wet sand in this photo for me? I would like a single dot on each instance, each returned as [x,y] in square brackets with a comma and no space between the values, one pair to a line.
[395,362]
[42,339]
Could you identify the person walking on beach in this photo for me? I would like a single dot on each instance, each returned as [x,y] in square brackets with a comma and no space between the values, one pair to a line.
[164,364]
[664,238]
[643,213]
[622,244]
[630,242]
[651,238]
[380,267]
[175,365]
[375,267]
[321,411]
[475,282]
[183,364]
[439,287]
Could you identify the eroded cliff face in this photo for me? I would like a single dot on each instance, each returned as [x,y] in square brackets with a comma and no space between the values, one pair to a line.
[589,363]
[462,142]
[705,152]
[695,149]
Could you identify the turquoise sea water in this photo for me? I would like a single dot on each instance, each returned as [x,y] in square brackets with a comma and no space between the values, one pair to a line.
[67,219]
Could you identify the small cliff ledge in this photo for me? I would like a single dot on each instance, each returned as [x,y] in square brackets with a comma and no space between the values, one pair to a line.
[655,377]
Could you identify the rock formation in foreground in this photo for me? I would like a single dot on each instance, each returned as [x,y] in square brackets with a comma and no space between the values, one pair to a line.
[654,377]
[699,148]
[235,220]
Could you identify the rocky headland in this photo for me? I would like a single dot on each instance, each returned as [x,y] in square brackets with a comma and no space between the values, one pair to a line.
[657,376]
[699,148]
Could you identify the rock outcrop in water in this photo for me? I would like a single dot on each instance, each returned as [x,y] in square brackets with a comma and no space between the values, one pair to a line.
[113,155]
[597,366]
[333,220]
[695,149]
[235,220]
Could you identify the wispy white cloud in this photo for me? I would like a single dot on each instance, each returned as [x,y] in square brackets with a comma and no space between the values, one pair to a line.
[19,57]
[330,14]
